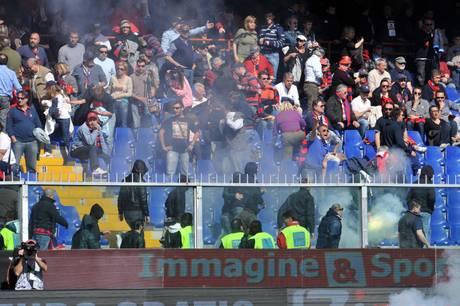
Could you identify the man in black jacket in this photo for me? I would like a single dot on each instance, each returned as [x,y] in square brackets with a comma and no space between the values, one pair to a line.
[134,239]
[339,112]
[425,196]
[410,228]
[175,202]
[330,228]
[302,205]
[132,200]
[43,219]
[89,234]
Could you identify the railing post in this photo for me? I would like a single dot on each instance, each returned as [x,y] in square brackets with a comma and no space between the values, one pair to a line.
[198,215]
[23,209]
[364,217]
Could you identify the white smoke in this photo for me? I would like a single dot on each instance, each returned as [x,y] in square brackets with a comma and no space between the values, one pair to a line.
[445,293]
[383,218]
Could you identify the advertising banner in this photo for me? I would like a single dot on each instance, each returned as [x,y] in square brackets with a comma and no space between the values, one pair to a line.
[216,268]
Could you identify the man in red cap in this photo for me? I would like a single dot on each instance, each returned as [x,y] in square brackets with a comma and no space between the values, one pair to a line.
[343,74]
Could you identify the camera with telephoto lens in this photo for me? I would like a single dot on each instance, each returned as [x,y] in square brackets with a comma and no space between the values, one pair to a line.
[30,249]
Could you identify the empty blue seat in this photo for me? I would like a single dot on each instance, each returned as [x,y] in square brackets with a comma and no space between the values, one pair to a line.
[205,170]
[434,154]
[352,150]
[352,137]
[452,94]
[267,136]
[120,167]
[369,149]
[124,134]
[453,197]
[452,172]
[453,215]
[455,234]
[452,155]
[157,198]
[439,235]
[438,217]
[416,137]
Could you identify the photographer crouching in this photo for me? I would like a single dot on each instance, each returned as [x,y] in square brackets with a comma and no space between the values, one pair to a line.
[28,267]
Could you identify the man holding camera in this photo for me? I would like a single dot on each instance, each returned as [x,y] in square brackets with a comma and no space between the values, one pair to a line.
[28,267]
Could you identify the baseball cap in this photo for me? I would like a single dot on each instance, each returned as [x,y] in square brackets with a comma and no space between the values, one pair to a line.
[401,76]
[301,37]
[50,83]
[400,60]
[363,72]
[364,89]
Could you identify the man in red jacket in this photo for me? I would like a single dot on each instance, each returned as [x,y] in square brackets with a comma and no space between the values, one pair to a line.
[256,63]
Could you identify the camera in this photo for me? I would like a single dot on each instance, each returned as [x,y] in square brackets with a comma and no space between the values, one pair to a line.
[30,249]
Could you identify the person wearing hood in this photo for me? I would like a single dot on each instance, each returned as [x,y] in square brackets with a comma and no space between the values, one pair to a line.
[89,234]
[330,228]
[175,202]
[43,219]
[132,200]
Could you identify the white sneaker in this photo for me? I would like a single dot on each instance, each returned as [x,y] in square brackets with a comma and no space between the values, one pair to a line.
[420,149]
[443,146]
[47,154]
[99,171]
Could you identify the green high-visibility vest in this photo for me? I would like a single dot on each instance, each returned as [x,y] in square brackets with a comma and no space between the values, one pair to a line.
[297,237]
[232,241]
[8,238]
[186,235]
[263,241]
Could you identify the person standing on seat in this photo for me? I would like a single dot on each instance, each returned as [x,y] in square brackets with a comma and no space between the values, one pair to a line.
[132,200]
[256,238]
[293,236]
[330,228]
[232,240]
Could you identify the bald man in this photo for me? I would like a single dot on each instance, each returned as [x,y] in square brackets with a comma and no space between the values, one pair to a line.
[33,50]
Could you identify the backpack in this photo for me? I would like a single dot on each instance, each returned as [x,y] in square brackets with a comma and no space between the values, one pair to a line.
[53,111]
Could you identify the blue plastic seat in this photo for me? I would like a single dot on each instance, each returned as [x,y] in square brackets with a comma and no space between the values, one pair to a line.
[434,154]
[157,198]
[288,171]
[455,234]
[415,135]
[438,217]
[453,215]
[71,215]
[438,177]
[439,235]
[267,136]
[205,170]
[452,94]
[369,149]
[452,172]
[452,155]
[120,167]
[453,197]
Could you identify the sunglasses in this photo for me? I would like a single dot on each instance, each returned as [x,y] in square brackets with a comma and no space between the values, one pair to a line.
[385,86]
[104,52]
[428,24]
[22,98]
[440,98]
[388,109]
[417,93]
[265,79]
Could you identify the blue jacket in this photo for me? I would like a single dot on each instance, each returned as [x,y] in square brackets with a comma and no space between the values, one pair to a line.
[86,137]
[27,53]
[21,124]
[329,231]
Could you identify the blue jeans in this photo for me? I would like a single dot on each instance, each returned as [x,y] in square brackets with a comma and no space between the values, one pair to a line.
[419,126]
[121,111]
[363,126]
[175,158]
[274,59]
[426,219]
[42,240]
[29,150]
[188,73]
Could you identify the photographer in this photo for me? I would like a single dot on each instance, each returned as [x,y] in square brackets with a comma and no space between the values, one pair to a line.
[28,267]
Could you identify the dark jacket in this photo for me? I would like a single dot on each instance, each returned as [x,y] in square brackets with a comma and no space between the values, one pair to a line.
[392,136]
[329,231]
[302,204]
[133,240]
[425,196]
[334,112]
[45,215]
[21,124]
[175,203]
[134,197]
[88,236]
[407,229]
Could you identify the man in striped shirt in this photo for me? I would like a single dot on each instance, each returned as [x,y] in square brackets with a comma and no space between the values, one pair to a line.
[271,40]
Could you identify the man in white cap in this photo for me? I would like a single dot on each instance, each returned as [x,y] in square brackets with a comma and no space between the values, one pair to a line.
[400,68]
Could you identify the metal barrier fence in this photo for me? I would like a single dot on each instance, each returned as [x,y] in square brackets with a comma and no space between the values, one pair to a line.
[371,209]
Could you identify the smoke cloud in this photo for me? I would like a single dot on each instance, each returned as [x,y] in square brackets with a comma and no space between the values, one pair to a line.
[445,293]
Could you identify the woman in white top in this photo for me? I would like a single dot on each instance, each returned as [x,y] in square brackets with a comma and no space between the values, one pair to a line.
[121,89]
[57,110]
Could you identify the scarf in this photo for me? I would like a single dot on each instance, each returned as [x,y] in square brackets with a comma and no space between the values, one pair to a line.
[433,86]
[347,109]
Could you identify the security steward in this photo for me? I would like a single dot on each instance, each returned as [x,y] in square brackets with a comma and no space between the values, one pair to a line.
[232,240]
[293,236]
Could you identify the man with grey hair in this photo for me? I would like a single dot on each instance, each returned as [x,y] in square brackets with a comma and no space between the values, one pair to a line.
[199,94]
[339,111]
[43,219]
[313,77]
[288,89]
[377,74]
[330,228]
